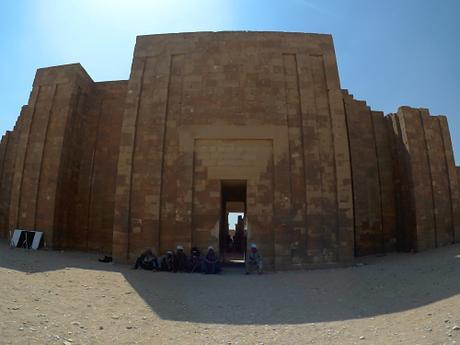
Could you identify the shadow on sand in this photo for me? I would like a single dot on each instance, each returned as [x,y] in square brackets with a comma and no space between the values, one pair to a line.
[390,284]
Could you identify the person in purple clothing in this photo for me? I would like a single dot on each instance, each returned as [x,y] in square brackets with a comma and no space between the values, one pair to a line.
[211,262]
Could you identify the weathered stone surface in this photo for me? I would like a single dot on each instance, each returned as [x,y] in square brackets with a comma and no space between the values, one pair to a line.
[365,170]
[121,166]
[425,180]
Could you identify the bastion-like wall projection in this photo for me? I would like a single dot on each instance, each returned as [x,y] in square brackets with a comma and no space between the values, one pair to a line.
[213,122]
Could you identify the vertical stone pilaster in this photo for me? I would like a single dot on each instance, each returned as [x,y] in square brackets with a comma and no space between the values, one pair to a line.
[439,179]
[365,172]
[294,223]
[3,150]
[177,168]
[123,192]
[415,156]
[344,193]
[313,170]
[23,131]
[5,145]
[453,181]
[383,137]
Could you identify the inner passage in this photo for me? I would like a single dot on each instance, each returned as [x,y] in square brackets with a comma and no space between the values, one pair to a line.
[232,234]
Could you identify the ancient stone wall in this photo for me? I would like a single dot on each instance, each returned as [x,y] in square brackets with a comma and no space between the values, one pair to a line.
[7,148]
[39,152]
[372,171]
[53,145]
[119,166]
[11,143]
[90,174]
[265,94]
[427,188]
[404,189]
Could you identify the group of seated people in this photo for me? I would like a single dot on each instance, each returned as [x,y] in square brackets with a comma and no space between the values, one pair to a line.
[179,262]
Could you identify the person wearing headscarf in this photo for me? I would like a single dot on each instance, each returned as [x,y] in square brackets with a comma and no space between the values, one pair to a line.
[194,264]
[180,262]
[167,262]
[147,260]
[211,262]
[254,261]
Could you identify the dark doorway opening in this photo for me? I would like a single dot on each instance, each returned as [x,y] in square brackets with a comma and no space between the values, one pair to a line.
[232,234]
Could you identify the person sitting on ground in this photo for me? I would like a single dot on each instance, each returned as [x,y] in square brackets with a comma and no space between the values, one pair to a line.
[167,262]
[106,259]
[180,260]
[147,260]
[194,264]
[254,261]
[211,262]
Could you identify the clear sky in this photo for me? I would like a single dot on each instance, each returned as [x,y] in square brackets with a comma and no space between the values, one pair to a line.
[389,52]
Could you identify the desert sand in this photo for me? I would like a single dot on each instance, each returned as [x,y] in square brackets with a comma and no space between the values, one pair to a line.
[52,297]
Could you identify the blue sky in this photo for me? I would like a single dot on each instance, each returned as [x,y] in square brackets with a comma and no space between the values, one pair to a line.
[390,53]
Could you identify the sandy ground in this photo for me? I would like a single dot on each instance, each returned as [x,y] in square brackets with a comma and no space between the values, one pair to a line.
[70,298]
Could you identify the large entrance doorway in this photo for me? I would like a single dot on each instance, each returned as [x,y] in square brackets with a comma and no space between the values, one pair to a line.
[232,234]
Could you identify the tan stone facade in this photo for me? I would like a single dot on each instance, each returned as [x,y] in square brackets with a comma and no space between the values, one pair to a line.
[209,119]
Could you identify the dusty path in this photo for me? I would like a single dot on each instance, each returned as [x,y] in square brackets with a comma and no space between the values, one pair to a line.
[70,298]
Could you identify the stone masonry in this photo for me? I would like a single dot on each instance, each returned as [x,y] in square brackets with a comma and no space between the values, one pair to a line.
[123,165]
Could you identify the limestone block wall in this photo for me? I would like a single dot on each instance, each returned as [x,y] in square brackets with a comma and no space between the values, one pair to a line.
[277,90]
[458,174]
[10,145]
[58,166]
[44,124]
[7,161]
[405,190]
[427,183]
[89,176]
[120,166]
[373,182]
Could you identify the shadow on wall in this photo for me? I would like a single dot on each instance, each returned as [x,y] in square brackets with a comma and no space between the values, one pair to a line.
[392,284]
